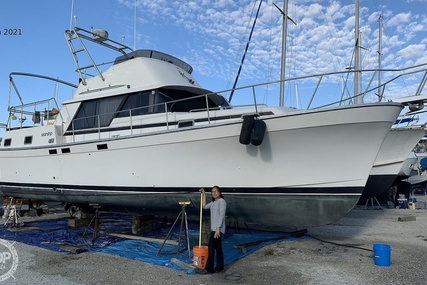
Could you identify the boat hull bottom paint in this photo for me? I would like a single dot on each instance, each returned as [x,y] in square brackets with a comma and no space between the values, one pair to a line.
[377,185]
[279,208]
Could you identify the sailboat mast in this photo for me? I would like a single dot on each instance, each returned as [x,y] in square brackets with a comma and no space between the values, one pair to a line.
[357,60]
[380,42]
[283,60]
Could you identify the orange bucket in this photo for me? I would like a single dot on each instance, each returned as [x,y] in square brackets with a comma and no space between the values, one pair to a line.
[200,256]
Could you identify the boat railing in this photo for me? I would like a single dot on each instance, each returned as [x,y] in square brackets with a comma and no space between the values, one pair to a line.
[374,93]
[103,122]
[336,88]
[41,112]
[312,90]
[406,120]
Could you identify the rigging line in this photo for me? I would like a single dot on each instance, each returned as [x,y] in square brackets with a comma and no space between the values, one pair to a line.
[246,31]
[244,54]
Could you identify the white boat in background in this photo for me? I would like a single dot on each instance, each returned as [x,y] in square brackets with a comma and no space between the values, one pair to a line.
[408,165]
[144,135]
[418,175]
[401,140]
[389,163]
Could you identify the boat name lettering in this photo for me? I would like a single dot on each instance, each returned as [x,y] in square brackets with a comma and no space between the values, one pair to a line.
[47,134]
[11,32]
[186,77]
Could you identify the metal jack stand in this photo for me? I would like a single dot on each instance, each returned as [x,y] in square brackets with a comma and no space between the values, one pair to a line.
[183,216]
[96,222]
[372,203]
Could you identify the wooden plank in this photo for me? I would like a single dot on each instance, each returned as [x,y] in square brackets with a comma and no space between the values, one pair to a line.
[258,242]
[407,219]
[182,264]
[72,249]
[244,245]
[171,242]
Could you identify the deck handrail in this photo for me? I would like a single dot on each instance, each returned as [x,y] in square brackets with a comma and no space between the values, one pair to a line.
[317,79]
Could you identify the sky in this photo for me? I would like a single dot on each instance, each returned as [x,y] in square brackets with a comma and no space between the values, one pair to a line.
[211,36]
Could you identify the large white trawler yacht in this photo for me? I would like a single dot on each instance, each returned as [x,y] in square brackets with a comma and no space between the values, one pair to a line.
[143,135]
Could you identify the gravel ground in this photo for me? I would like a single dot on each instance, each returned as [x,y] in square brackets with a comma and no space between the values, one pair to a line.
[332,254]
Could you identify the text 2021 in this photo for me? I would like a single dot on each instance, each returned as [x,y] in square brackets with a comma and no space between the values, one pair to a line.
[11,32]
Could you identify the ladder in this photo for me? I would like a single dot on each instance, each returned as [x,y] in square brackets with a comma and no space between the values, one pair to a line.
[100,37]
[13,216]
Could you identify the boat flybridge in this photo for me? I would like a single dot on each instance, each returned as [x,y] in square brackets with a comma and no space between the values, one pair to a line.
[143,135]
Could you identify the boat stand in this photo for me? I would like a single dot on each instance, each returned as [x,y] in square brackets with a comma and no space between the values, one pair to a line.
[13,216]
[96,221]
[372,203]
[183,216]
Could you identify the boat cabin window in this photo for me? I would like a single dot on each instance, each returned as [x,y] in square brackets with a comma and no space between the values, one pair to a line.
[194,102]
[7,142]
[100,112]
[28,140]
[96,113]
[142,103]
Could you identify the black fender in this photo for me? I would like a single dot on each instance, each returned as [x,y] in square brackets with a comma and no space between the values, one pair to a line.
[258,132]
[246,131]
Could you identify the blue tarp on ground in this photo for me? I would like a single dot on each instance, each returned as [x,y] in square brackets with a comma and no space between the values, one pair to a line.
[56,235]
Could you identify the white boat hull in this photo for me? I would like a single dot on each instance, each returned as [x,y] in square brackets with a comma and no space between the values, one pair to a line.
[408,165]
[391,158]
[262,185]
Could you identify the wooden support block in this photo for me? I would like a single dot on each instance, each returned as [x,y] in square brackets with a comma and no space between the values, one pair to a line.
[407,219]
[32,213]
[142,224]
[77,223]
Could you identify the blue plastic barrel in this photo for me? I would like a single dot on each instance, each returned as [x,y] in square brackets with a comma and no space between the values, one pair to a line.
[382,254]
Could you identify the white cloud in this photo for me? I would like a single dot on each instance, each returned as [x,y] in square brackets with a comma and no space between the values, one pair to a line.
[322,41]
[412,51]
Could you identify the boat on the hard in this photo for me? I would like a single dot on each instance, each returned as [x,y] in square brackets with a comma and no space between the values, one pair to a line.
[144,135]
[389,166]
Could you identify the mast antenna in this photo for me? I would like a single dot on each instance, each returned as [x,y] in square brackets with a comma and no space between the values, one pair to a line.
[134,25]
[71,14]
